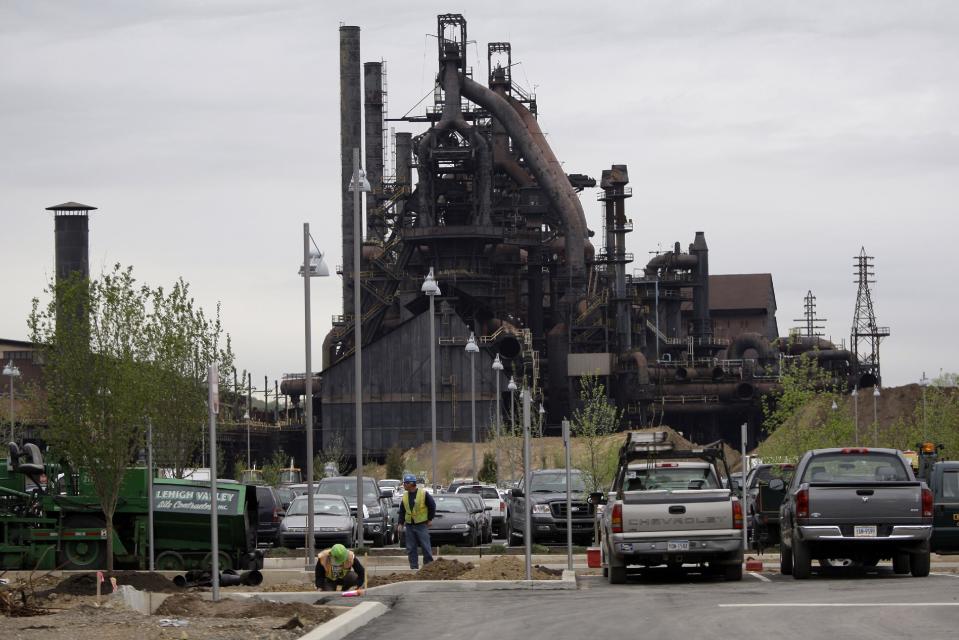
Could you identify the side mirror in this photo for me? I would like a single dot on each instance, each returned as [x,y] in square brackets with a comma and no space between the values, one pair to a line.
[776,484]
[516,493]
[279,514]
[597,497]
[386,493]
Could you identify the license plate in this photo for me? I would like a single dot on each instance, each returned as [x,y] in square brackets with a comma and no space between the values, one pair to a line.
[864,531]
[677,545]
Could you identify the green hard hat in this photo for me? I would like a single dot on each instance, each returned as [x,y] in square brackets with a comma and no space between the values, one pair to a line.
[339,553]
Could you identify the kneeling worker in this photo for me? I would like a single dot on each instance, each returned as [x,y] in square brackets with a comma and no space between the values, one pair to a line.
[339,567]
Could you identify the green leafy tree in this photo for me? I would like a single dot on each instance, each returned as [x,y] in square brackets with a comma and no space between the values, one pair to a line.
[801,381]
[183,343]
[488,472]
[394,462]
[592,422]
[94,350]
[271,470]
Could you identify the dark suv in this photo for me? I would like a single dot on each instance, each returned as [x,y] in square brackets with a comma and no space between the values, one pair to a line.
[547,497]
[377,523]
[270,512]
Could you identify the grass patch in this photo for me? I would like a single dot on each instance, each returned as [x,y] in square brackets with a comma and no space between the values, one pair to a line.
[497,548]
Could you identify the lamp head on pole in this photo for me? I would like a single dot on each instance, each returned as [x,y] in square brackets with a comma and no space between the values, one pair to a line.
[512,384]
[542,411]
[875,392]
[834,405]
[318,268]
[497,363]
[246,415]
[471,346]
[924,381]
[360,183]
[430,286]
[855,392]
[11,370]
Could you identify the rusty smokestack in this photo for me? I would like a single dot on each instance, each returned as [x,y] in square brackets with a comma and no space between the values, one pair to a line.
[373,115]
[350,138]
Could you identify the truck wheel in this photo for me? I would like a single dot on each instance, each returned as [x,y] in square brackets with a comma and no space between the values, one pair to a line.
[919,564]
[169,561]
[378,540]
[733,572]
[226,562]
[514,540]
[900,564]
[785,560]
[84,554]
[802,562]
[616,574]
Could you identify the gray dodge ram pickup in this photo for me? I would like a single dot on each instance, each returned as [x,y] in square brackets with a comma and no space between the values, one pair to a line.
[547,497]
[860,504]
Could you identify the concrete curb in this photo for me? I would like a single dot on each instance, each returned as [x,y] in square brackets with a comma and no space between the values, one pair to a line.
[566,583]
[346,623]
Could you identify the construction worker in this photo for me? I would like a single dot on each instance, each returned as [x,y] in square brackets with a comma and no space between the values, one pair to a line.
[416,512]
[338,567]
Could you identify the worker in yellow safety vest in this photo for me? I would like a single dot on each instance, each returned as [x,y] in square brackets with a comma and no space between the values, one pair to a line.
[416,512]
[338,567]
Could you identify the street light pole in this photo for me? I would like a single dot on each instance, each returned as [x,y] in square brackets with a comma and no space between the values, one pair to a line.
[246,419]
[313,266]
[11,370]
[357,185]
[432,289]
[924,382]
[875,415]
[497,367]
[527,507]
[472,348]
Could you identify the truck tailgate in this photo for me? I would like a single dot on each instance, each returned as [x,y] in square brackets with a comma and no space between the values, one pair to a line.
[863,503]
[680,510]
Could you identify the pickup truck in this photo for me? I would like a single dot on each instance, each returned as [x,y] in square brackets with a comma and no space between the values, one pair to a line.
[860,504]
[667,507]
[547,499]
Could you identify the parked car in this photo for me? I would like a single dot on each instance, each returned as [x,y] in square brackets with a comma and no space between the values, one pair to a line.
[859,504]
[547,497]
[493,500]
[269,514]
[454,523]
[482,513]
[457,483]
[286,494]
[376,518]
[389,483]
[762,503]
[667,507]
[332,522]
[944,483]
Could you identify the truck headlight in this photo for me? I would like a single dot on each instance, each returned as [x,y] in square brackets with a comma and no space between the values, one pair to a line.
[460,526]
[375,512]
[540,508]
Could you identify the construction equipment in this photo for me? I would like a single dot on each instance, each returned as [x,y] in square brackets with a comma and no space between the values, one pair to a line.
[50,517]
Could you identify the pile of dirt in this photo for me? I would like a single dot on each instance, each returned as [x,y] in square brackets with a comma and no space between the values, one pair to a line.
[440,569]
[284,587]
[508,568]
[85,584]
[188,605]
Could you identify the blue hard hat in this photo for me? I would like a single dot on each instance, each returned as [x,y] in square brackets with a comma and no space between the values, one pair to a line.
[409,477]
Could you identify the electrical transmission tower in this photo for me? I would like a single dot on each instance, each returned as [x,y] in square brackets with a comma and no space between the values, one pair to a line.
[811,323]
[866,334]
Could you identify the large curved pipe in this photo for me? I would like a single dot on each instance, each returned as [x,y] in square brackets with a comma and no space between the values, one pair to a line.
[452,118]
[554,183]
[750,341]
[797,345]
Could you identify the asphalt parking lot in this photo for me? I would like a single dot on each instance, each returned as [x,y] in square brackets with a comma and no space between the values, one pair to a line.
[657,604]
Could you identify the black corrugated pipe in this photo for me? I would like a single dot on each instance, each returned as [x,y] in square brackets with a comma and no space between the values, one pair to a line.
[551,179]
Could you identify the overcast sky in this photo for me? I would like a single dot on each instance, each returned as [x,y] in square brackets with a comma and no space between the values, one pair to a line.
[792,133]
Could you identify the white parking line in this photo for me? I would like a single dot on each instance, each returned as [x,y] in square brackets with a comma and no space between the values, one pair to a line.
[759,576]
[843,604]
[948,575]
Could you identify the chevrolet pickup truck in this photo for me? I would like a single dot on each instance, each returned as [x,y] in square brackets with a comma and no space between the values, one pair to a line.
[667,507]
[861,504]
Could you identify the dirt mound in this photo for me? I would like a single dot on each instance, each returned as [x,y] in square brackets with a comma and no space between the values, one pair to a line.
[85,584]
[286,587]
[441,569]
[508,568]
[188,605]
